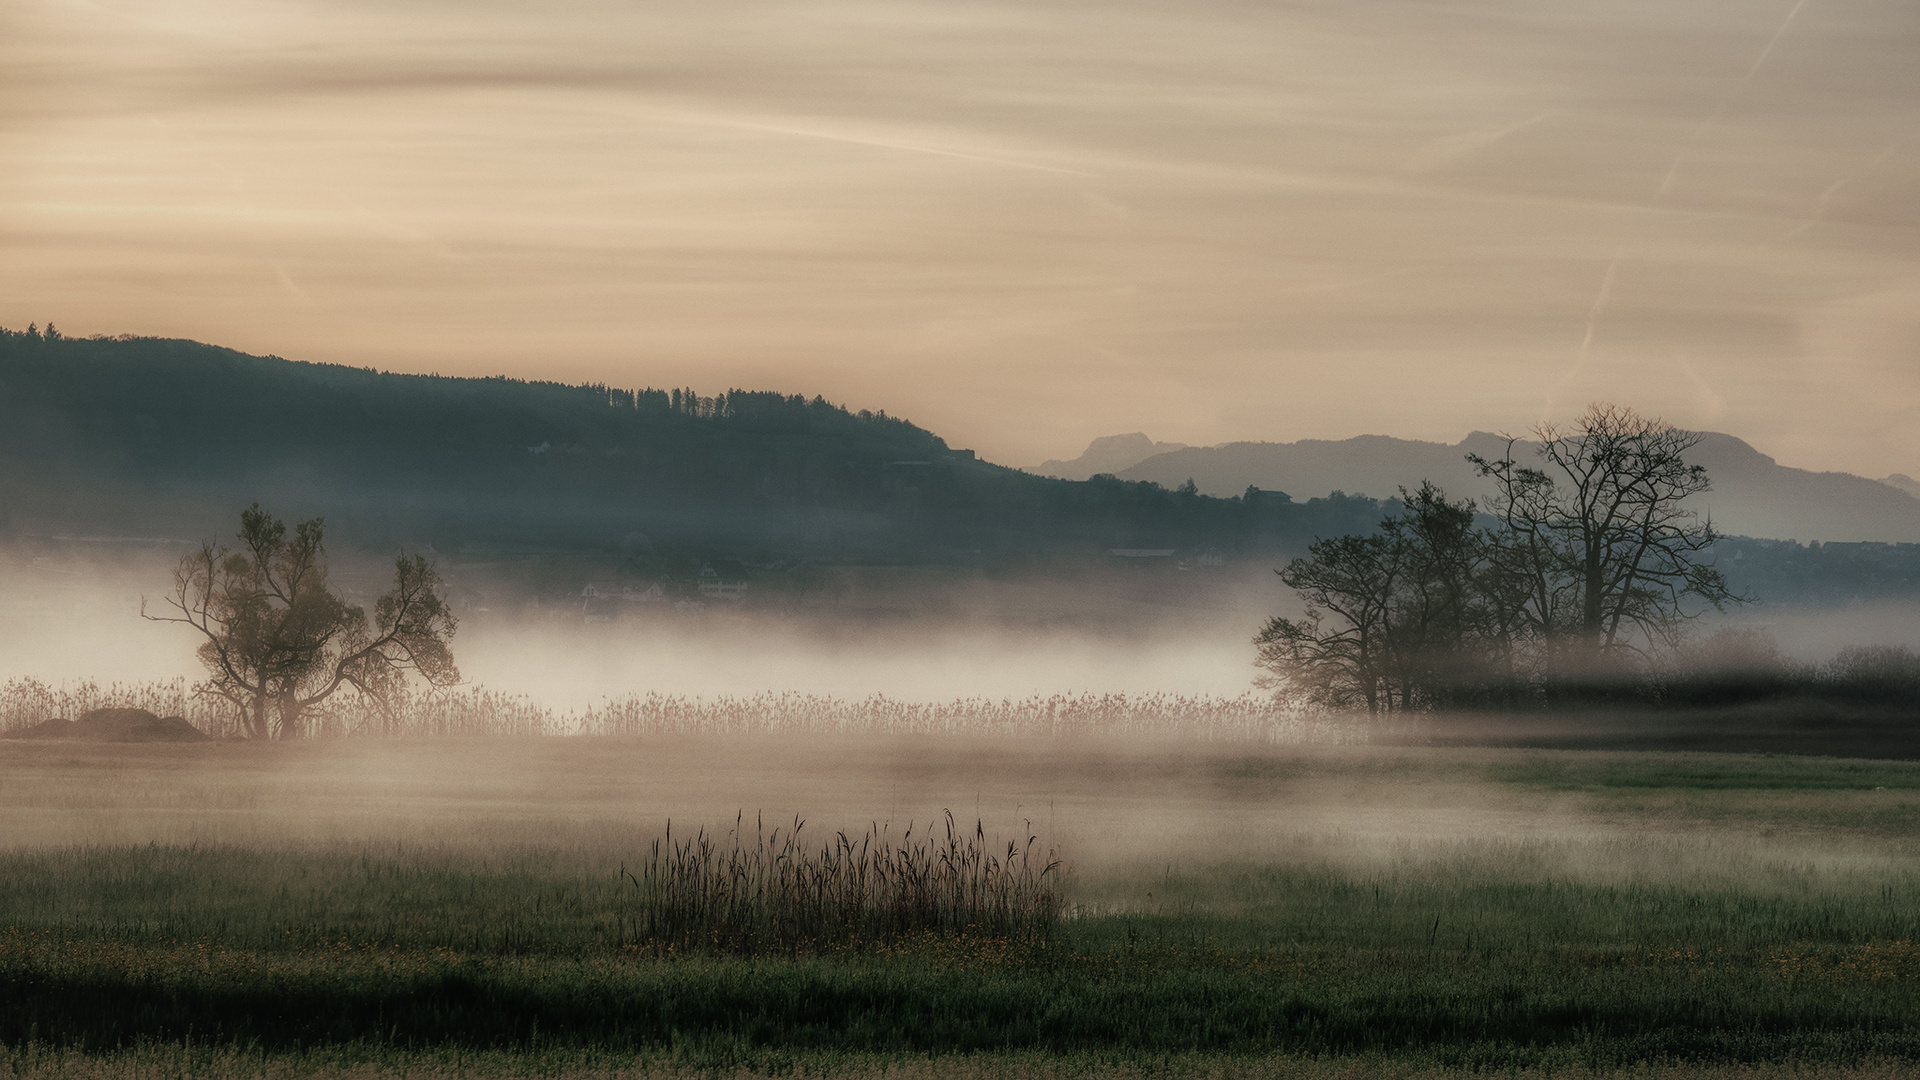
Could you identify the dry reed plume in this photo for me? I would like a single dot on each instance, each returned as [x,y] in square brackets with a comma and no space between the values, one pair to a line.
[475,710]
[774,892]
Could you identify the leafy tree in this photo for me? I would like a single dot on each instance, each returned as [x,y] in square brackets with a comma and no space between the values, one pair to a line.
[277,642]
[1342,663]
[1409,626]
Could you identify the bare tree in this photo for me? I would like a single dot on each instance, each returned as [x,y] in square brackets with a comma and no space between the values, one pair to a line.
[1602,557]
[1593,565]
[278,642]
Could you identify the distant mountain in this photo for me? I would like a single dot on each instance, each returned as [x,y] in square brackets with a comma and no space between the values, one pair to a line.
[154,437]
[1376,465]
[1752,495]
[1107,454]
[1904,483]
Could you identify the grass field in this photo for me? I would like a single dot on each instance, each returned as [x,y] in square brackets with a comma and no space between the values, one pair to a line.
[458,907]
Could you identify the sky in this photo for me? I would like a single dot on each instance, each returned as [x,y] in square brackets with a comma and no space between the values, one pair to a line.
[1021,225]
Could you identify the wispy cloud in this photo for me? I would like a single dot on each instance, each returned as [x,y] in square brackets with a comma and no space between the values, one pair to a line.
[1269,221]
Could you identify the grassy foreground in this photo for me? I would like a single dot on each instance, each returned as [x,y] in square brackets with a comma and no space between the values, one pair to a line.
[1320,964]
[1667,922]
[151,1062]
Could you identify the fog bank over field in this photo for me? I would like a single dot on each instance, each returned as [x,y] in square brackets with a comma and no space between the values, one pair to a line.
[70,613]
[73,613]
[1812,634]
[572,667]
[1123,814]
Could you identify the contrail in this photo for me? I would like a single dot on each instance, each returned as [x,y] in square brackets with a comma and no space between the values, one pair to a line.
[1673,173]
[1720,110]
[1820,205]
[1768,51]
[1586,343]
[1599,306]
[287,283]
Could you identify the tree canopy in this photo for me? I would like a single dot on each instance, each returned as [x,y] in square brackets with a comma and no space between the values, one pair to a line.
[1587,566]
[276,642]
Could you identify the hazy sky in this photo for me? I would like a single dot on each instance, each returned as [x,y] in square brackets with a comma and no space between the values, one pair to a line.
[1021,225]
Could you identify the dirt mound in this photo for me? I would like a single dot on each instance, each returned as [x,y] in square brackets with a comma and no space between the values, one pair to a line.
[134,725]
[116,725]
[56,728]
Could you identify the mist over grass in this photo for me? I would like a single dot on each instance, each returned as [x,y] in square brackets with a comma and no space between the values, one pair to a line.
[375,899]
[1245,885]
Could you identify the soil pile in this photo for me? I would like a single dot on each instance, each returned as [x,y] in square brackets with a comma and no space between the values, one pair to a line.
[56,728]
[116,725]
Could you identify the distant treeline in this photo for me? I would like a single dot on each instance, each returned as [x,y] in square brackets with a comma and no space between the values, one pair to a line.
[136,436]
[153,436]
[1786,572]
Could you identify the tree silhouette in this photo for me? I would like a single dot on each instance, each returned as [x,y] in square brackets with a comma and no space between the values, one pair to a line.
[1591,567]
[1599,538]
[1396,619]
[278,642]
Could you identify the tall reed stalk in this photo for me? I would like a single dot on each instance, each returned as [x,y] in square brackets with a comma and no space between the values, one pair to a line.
[476,710]
[776,892]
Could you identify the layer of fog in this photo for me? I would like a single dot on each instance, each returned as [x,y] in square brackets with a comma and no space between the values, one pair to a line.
[1022,225]
[1124,816]
[101,639]
[71,614]
[572,667]
[1811,635]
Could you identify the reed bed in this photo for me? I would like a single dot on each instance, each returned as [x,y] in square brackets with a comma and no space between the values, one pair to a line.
[467,711]
[476,710]
[775,891]
[1246,717]
[26,702]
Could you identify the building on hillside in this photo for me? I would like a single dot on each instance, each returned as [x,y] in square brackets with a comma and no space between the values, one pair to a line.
[604,599]
[723,579]
[1207,558]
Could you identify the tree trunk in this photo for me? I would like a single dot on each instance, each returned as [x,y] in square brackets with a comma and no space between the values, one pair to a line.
[1592,589]
[292,723]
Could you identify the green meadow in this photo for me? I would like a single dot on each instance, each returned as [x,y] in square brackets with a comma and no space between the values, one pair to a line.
[476,907]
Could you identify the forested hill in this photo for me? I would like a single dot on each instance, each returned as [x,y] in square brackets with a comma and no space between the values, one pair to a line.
[154,437]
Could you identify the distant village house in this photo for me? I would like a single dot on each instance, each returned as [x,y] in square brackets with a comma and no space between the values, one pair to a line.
[723,579]
[598,596]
